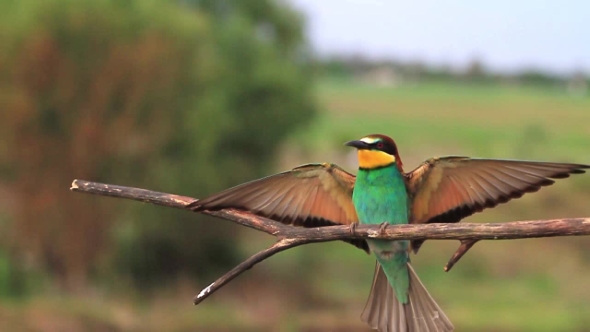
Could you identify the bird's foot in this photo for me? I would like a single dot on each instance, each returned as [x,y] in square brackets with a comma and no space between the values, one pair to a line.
[382,227]
[352,228]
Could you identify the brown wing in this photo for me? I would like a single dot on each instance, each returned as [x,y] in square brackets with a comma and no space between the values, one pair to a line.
[451,188]
[311,195]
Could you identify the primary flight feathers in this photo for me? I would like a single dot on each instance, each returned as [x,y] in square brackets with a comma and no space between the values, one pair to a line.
[445,189]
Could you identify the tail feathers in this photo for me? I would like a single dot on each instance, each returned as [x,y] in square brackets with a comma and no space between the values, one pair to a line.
[385,313]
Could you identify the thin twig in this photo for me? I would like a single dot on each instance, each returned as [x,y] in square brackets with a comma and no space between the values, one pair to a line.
[463,248]
[289,237]
[279,246]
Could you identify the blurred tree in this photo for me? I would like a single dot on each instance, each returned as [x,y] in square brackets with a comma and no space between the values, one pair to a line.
[475,70]
[335,67]
[187,97]
[536,77]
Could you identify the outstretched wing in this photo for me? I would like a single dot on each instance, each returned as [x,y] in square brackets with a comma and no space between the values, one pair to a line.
[311,195]
[449,189]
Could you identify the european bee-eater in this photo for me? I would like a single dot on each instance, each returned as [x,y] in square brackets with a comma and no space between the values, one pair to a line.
[445,189]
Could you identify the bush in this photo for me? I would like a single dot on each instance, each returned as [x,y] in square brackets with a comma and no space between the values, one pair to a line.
[171,96]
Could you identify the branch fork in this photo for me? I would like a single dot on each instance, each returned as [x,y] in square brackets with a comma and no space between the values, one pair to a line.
[289,236]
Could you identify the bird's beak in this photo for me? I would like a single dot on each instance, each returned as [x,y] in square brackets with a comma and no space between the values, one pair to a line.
[358,144]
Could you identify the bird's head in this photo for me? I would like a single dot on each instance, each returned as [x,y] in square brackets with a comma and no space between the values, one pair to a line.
[376,151]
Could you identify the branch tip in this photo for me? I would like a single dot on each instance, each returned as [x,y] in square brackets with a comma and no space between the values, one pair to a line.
[74,185]
[463,248]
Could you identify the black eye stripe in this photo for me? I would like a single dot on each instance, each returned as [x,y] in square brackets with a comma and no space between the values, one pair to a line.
[385,147]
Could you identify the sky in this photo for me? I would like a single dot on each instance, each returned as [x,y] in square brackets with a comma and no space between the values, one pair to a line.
[507,35]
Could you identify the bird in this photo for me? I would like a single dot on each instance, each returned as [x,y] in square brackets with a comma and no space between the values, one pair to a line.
[440,190]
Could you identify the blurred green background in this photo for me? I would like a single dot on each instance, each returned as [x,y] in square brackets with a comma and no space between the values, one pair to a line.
[192,97]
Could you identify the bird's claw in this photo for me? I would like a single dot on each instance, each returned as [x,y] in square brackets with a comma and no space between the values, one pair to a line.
[382,227]
[352,228]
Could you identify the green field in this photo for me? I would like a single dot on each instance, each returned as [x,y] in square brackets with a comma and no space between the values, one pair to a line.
[520,285]
[493,121]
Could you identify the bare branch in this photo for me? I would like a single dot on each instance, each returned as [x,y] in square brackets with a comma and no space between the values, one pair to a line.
[289,237]
[279,246]
[462,250]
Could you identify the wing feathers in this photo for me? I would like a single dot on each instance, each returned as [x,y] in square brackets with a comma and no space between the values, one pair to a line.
[311,195]
[452,188]
[444,184]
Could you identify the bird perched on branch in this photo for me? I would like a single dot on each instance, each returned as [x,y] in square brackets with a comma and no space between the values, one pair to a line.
[443,190]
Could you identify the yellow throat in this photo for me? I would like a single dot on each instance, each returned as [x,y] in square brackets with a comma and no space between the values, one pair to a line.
[373,159]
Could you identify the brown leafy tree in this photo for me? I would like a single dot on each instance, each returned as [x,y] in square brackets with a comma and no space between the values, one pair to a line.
[135,92]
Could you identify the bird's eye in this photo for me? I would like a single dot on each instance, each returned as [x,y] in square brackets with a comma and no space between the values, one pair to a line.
[380,145]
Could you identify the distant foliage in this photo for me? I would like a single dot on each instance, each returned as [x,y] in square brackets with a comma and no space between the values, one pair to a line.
[474,71]
[177,96]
